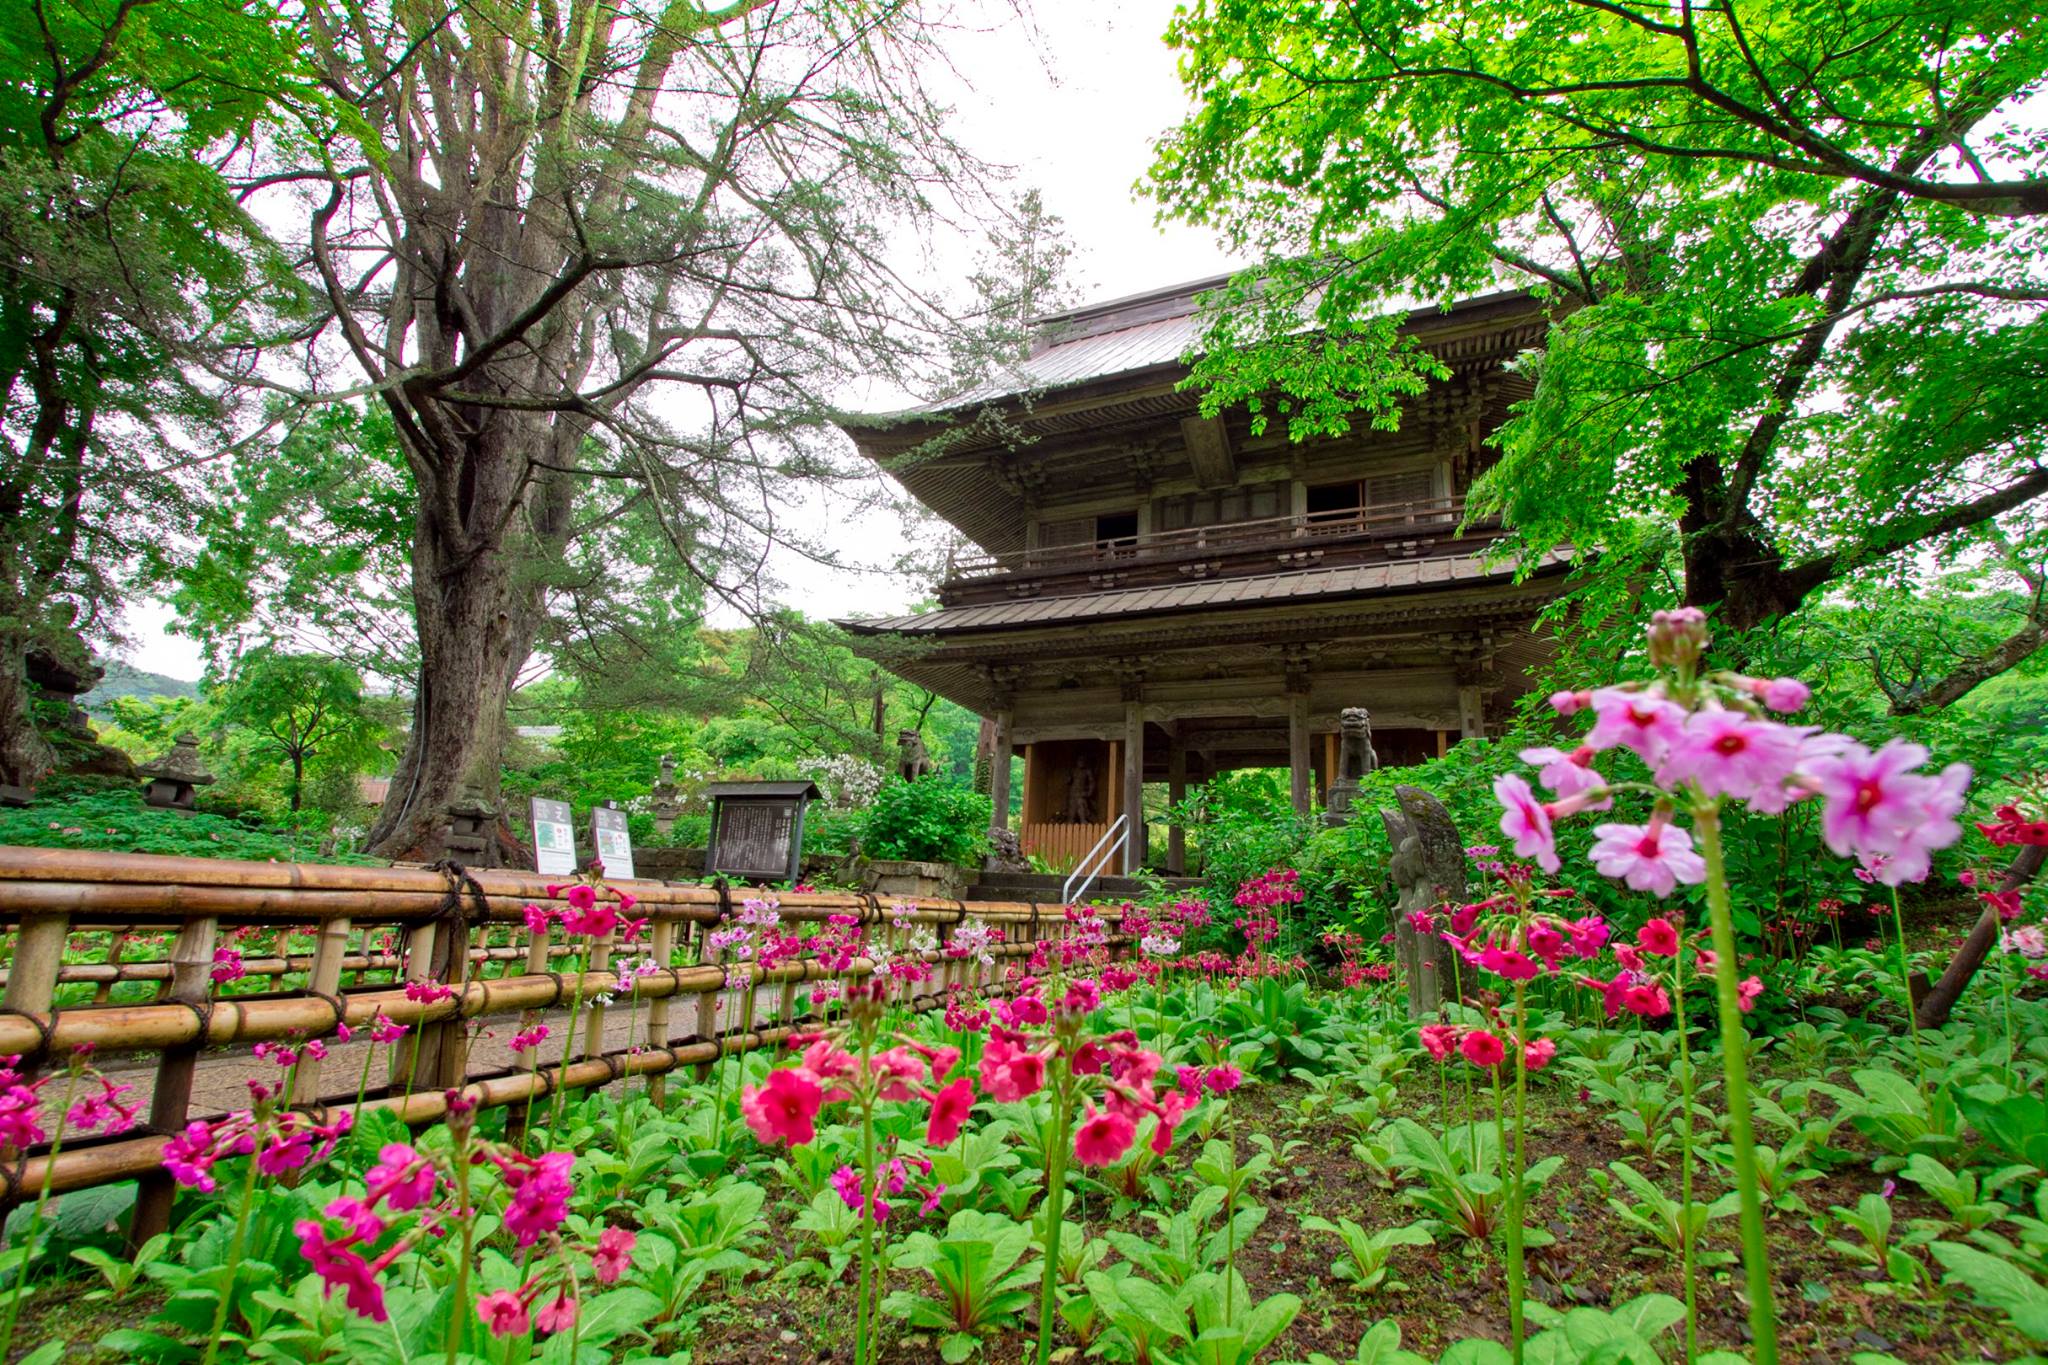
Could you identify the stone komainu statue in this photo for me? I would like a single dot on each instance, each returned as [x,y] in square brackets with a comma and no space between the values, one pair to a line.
[1355,758]
[1005,852]
[912,759]
[1428,868]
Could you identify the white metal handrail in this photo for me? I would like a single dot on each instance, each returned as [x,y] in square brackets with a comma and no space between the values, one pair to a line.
[1120,834]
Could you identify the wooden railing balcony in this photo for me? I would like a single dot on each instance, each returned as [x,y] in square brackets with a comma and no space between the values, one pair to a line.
[1231,549]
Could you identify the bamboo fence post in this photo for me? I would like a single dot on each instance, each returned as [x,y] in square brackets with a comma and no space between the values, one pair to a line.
[106,988]
[38,957]
[663,949]
[323,978]
[408,1060]
[170,1103]
[593,1025]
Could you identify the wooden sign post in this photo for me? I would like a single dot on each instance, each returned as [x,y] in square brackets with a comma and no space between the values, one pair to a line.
[757,829]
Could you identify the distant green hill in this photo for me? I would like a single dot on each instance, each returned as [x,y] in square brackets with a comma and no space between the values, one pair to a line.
[126,680]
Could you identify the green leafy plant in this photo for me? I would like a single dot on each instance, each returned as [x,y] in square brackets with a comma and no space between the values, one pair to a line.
[1364,1262]
[981,1287]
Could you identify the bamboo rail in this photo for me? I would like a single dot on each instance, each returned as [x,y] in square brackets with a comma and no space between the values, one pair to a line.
[47,895]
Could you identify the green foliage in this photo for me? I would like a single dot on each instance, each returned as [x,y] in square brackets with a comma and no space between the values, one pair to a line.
[1793,297]
[301,708]
[930,820]
[120,822]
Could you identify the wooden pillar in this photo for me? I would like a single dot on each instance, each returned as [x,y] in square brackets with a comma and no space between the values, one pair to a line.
[999,774]
[1471,713]
[191,984]
[1031,785]
[1298,761]
[1176,792]
[1134,787]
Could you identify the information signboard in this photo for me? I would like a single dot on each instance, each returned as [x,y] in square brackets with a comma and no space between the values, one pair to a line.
[554,838]
[614,844]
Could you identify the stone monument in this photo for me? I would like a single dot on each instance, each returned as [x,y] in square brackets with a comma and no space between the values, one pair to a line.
[1428,868]
[1355,758]
[175,778]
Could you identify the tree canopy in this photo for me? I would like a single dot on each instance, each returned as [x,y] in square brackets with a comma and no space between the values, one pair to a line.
[1792,254]
[130,275]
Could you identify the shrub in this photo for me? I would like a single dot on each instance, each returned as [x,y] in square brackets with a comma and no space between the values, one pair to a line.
[929,821]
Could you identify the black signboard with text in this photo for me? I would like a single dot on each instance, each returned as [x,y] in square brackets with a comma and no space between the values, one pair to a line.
[757,829]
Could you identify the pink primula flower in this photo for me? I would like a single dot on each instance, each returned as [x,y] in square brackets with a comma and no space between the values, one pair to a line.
[1728,753]
[1102,1138]
[784,1109]
[1654,858]
[614,1254]
[1878,808]
[1568,774]
[1645,722]
[1525,820]
[503,1312]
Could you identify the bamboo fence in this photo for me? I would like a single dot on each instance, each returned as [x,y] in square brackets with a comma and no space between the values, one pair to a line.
[448,922]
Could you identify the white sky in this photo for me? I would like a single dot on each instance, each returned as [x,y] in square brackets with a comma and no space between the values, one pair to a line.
[1075,111]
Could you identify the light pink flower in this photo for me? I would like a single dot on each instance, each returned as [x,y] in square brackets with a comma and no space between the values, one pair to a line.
[1652,857]
[1783,694]
[1568,774]
[1525,820]
[1646,722]
[1879,809]
[1727,753]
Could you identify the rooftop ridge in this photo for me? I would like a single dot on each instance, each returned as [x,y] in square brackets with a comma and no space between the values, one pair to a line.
[1120,313]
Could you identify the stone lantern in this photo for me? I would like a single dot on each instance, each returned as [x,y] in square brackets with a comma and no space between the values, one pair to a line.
[175,778]
[469,835]
[667,797]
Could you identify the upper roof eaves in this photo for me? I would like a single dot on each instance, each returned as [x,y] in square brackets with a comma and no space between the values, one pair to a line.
[1119,336]
[1095,341]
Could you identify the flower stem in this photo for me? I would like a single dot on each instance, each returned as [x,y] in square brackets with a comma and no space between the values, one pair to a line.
[458,1311]
[1906,985]
[1518,1274]
[233,1267]
[1685,1237]
[1055,1196]
[1756,1257]
[568,1051]
[35,1222]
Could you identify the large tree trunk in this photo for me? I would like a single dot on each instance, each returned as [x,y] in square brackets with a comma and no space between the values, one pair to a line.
[478,609]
